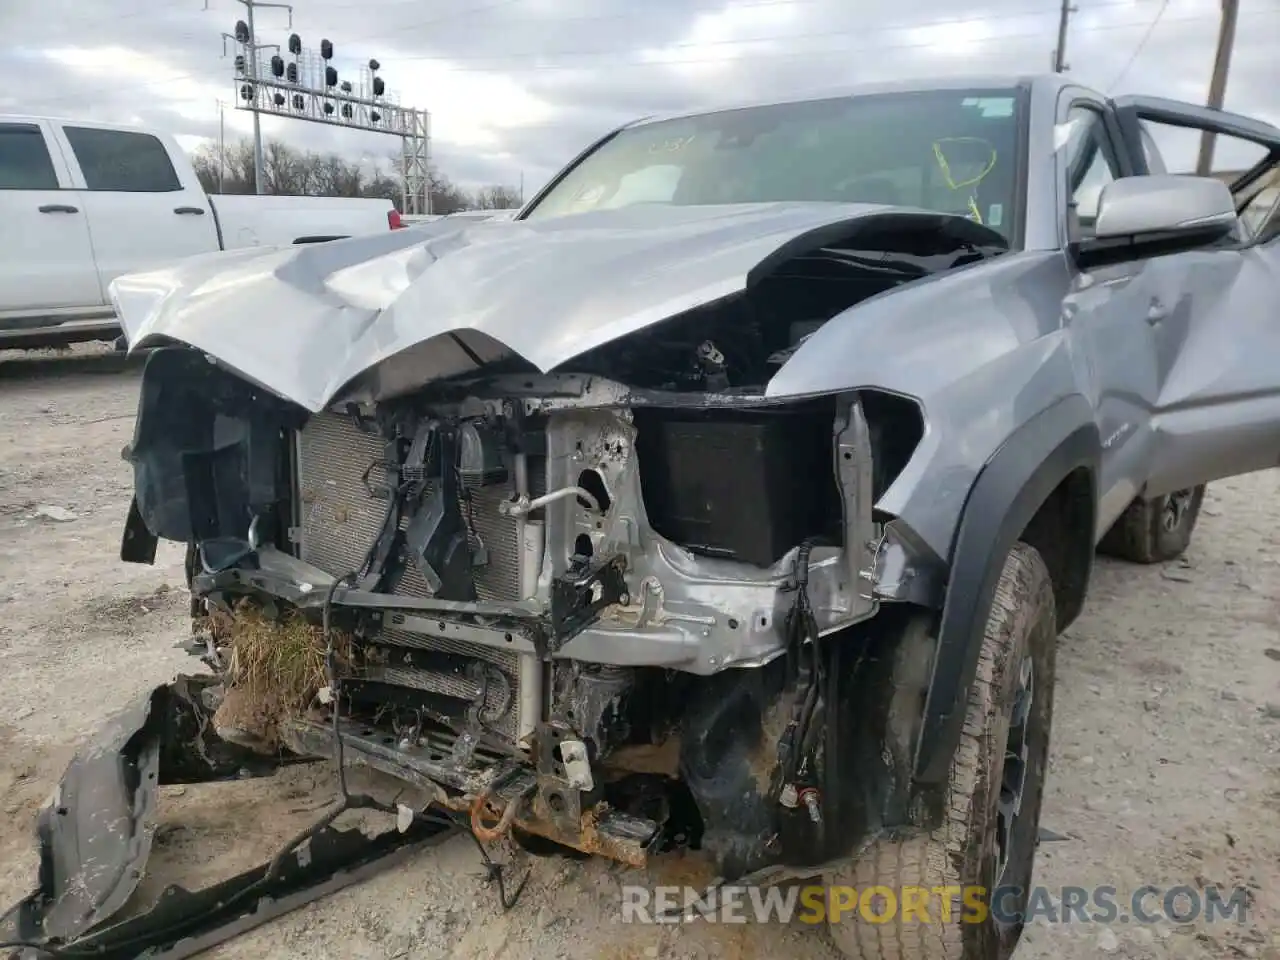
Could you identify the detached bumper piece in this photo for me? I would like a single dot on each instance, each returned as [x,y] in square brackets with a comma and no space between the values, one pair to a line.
[185,923]
[95,835]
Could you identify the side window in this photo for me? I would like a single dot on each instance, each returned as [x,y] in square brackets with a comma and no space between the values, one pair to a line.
[1155,162]
[1268,224]
[122,161]
[1260,217]
[25,163]
[1233,156]
[1181,146]
[1091,164]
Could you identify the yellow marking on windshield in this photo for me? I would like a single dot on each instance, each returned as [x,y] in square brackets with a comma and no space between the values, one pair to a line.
[950,180]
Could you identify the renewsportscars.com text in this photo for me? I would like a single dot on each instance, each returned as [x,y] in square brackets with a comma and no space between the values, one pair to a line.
[928,905]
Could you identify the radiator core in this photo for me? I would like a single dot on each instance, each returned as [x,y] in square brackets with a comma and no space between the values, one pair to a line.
[339,519]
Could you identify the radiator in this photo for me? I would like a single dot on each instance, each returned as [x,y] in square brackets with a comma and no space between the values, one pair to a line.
[338,521]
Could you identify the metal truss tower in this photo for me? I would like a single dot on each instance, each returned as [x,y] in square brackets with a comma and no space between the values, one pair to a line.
[304,85]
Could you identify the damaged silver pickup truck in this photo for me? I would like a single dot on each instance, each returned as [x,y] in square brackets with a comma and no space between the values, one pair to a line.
[733,496]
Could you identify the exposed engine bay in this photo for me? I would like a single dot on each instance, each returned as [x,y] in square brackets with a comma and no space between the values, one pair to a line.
[540,579]
[596,605]
[735,345]
[535,589]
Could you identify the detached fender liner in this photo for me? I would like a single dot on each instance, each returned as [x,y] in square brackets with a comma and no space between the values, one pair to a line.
[94,834]
[208,452]
[1009,490]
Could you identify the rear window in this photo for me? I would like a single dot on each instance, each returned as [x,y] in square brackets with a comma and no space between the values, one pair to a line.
[24,159]
[122,161]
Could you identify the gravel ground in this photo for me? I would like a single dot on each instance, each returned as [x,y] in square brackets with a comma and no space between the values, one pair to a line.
[1164,764]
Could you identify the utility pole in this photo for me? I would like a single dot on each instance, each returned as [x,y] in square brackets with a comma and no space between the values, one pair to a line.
[1218,82]
[1060,64]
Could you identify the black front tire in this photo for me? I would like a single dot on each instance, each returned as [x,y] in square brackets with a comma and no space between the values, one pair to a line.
[981,843]
[1157,530]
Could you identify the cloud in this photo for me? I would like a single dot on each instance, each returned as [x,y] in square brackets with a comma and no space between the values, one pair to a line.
[517,87]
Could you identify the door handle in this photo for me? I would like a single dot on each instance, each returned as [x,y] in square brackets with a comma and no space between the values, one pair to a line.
[196,211]
[58,208]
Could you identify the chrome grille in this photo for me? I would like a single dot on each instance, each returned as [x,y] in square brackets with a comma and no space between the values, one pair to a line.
[339,520]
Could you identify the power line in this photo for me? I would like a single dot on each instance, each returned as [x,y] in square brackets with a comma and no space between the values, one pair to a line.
[772,38]
[152,12]
[779,55]
[1001,14]
[1137,51]
[500,60]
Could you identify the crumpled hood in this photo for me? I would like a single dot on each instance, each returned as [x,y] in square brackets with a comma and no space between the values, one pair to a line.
[304,321]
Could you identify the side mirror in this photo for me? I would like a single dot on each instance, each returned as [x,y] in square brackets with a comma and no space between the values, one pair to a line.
[1161,213]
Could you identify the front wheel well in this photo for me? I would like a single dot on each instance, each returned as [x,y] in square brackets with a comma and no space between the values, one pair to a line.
[1062,533]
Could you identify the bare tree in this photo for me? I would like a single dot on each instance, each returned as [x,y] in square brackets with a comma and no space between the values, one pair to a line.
[284,169]
[293,172]
[497,197]
[205,160]
[446,196]
[228,171]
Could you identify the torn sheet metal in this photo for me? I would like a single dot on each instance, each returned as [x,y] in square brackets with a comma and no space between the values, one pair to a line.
[304,321]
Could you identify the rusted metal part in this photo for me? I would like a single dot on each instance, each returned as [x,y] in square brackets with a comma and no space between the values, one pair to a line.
[503,826]
[604,832]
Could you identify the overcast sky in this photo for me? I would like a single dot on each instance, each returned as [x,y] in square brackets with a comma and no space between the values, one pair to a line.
[518,86]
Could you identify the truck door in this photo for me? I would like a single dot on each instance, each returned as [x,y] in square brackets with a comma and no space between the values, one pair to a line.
[46,259]
[141,214]
[1217,413]
[1108,313]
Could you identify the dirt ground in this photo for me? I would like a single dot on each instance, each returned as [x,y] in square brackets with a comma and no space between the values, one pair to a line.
[1164,768]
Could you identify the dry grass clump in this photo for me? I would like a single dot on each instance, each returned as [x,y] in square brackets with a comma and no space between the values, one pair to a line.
[276,666]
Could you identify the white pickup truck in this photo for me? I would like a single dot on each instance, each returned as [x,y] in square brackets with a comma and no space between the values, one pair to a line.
[82,203]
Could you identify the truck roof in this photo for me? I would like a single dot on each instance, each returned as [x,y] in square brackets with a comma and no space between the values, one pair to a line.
[920,84]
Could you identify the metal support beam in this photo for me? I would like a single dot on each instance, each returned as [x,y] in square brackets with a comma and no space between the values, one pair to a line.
[415,167]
